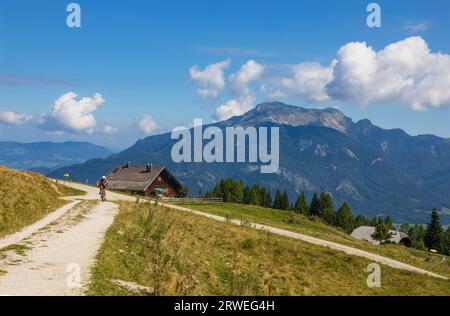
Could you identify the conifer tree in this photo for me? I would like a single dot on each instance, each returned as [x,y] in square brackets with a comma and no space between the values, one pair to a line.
[314,205]
[434,234]
[285,201]
[277,200]
[254,196]
[238,192]
[326,210]
[247,195]
[345,218]
[388,222]
[301,206]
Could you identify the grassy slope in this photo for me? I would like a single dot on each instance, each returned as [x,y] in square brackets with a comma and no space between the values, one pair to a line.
[26,197]
[179,253]
[318,229]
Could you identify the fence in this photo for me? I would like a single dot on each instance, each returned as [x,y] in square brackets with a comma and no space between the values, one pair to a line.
[182,201]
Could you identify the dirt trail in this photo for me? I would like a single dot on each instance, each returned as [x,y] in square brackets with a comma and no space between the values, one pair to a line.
[54,255]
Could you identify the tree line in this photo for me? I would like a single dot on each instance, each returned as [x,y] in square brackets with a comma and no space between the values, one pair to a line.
[433,237]
[321,205]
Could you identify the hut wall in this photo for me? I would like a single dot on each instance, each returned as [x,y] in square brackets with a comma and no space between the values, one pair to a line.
[161,182]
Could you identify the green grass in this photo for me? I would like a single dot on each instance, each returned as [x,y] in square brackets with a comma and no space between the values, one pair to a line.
[316,228]
[27,197]
[179,253]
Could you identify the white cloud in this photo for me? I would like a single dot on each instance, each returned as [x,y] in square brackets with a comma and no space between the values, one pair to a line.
[12,118]
[249,72]
[211,80]
[405,71]
[147,124]
[245,98]
[109,129]
[235,107]
[308,82]
[69,114]
[417,27]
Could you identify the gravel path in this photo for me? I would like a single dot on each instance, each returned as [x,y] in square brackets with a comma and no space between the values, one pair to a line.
[54,257]
[30,230]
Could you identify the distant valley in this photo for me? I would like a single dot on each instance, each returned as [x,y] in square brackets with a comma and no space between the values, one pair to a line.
[43,157]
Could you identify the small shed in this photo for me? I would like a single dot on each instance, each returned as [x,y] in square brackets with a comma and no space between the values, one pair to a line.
[366,232]
[149,180]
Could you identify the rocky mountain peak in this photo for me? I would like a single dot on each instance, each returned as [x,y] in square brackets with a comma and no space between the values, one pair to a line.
[280,113]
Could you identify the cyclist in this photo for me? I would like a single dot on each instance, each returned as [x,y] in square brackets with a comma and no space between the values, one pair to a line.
[102,184]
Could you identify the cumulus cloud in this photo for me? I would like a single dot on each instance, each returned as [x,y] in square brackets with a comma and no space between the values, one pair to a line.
[70,114]
[250,71]
[147,125]
[405,71]
[12,118]
[235,107]
[308,82]
[239,85]
[210,80]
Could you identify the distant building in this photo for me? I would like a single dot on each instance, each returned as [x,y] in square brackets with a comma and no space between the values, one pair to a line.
[366,232]
[150,180]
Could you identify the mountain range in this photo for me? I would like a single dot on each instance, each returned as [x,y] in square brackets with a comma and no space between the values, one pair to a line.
[378,171]
[46,156]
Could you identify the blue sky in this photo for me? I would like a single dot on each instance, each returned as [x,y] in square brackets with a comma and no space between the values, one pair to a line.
[137,55]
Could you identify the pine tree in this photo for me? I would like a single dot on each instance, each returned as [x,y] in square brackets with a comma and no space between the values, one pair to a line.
[254,196]
[217,191]
[247,195]
[405,228]
[374,222]
[268,199]
[345,218]
[388,222]
[301,206]
[412,233]
[277,200]
[447,241]
[285,201]
[380,221]
[361,220]
[314,205]
[326,210]
[238,192]
[382,233]
[434,234]
[420,233]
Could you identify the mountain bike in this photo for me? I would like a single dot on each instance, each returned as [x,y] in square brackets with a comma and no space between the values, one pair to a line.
[103,194]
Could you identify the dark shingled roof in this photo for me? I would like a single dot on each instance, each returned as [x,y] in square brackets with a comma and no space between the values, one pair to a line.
[133,178]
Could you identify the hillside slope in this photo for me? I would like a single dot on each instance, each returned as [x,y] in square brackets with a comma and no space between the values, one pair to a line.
[25,197]
[178,253]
